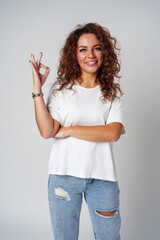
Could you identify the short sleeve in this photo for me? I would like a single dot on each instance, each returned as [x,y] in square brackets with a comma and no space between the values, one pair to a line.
[53,104]
[116,113]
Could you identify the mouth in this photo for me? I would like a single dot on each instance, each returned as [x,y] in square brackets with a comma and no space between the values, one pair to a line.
[91,63]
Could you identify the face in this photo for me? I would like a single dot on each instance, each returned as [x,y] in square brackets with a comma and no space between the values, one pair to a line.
[89,54]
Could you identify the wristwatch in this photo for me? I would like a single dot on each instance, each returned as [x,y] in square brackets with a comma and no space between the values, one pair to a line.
[37,95]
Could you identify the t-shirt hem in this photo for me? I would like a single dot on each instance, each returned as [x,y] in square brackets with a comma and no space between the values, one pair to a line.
[113,179]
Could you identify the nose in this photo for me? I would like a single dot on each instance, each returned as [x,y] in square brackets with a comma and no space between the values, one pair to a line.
[91,53]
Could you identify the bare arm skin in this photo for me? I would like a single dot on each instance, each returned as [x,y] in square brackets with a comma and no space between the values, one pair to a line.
[103,133]
[47,126]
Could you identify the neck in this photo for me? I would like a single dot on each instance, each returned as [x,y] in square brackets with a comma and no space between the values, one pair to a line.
[88,80]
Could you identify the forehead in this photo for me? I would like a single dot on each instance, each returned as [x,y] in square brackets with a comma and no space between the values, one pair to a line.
[88,39]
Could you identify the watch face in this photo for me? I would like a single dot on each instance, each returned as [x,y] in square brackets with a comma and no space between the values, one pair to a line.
[37,95]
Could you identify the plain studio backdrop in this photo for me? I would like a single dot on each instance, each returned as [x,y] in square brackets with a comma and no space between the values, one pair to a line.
[34,26]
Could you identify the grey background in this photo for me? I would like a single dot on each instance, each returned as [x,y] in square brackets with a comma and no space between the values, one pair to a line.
[33,26]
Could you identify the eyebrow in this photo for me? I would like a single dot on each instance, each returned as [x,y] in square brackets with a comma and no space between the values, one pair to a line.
[93,46]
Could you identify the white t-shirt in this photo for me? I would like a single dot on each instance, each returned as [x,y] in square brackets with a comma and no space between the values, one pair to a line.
[77,157]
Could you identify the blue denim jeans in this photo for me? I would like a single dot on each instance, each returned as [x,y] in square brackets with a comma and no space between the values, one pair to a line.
[65,194]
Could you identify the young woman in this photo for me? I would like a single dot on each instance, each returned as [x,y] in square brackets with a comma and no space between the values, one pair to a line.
[83,115]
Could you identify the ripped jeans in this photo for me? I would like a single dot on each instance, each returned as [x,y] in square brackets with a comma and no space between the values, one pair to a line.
[65,201]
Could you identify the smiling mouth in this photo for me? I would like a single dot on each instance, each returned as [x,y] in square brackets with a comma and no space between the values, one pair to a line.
[91,63]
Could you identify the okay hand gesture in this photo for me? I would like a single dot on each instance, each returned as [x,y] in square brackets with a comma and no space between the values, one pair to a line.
[38,78]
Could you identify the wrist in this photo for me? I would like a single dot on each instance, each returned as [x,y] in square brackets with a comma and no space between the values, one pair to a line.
[37,95]
[70,130]
[37,91]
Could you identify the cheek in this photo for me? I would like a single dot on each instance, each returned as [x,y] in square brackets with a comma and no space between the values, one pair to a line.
[101,57]
[80,58]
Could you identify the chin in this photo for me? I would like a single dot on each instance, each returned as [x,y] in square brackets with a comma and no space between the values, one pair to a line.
[92,72]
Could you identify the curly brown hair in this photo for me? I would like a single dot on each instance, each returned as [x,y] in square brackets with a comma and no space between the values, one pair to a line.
[69,70]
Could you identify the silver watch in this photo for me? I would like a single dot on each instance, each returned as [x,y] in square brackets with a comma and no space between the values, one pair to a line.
[37,95]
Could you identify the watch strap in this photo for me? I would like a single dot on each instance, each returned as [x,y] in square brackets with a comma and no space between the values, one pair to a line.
[37,95]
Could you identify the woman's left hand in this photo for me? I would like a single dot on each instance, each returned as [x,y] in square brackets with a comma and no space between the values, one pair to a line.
[63,132]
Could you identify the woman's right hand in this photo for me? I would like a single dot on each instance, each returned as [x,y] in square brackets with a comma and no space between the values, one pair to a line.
[38,78]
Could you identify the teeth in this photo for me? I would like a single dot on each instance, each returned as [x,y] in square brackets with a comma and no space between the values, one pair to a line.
[91,62]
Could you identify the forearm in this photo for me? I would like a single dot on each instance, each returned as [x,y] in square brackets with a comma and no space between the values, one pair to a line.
[43,118]
[101,133]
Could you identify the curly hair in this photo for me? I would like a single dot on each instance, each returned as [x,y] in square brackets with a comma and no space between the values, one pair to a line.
[69,70]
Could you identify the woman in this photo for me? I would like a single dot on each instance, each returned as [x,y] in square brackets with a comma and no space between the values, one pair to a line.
[83,115]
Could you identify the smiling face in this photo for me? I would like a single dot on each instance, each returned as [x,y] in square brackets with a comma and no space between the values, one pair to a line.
[89,54]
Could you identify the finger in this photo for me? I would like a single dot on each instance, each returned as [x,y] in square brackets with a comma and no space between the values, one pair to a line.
[46,72]
[43,66]
[32,65]
[33,60]
[34,71]
[45,75]
[39,58]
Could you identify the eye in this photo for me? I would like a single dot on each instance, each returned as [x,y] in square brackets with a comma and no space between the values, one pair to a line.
[98,49]
[82,50]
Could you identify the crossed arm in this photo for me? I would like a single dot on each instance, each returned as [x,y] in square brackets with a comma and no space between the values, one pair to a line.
[101,133]
[49,127]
